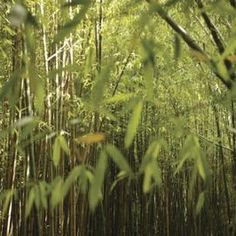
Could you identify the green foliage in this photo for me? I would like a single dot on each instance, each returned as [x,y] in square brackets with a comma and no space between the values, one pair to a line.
[95,191]
[150,168]
[133,123]
[59,144]
[118,158]
[117,78]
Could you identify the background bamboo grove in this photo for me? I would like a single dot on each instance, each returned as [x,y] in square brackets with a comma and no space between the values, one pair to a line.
[117,117]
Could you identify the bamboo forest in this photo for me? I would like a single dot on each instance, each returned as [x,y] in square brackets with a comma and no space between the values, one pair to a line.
[118,118]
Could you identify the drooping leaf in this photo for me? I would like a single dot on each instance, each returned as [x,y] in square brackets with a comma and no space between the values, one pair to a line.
[72,177]
[95,191]
[118,158]
[30,202]
[59,143]
[43,194]
[99,87]
[147,181]
[56,195]
[200,202]
[8,195]
[133,124]
[64,145]
[56,151]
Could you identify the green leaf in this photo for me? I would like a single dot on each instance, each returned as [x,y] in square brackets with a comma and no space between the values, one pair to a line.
[133,124]
[84,179]
[122,175]
[72,177]
[118,158]
[43,194]
[200,202]
[190,151]
[95,192]
[8,197]
[148,80]
[30,202]
[151,153]
[99,87]
[147,178]
[57,195]
[59,143]
[201,168]
[152,176]
[56,151]
[64,145]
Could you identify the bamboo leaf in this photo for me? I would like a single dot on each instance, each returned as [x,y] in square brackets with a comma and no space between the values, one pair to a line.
[56,151]
[147,179]
[64,145]
[91,138]
[118,158]
[30,202]
[56,196]
[8,197]
[133,124]
[95,191]
[200,202]
[99,87]
[72,177]
[43,194]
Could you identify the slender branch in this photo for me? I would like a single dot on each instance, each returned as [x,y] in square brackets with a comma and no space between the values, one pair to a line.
[216,38]
[214,32]
[192,44]
[215,143]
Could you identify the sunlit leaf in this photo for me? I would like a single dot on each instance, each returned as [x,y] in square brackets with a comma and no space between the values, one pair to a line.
[91,138]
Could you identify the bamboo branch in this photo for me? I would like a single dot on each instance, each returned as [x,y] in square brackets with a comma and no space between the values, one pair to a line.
[216,37]
[192,44]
